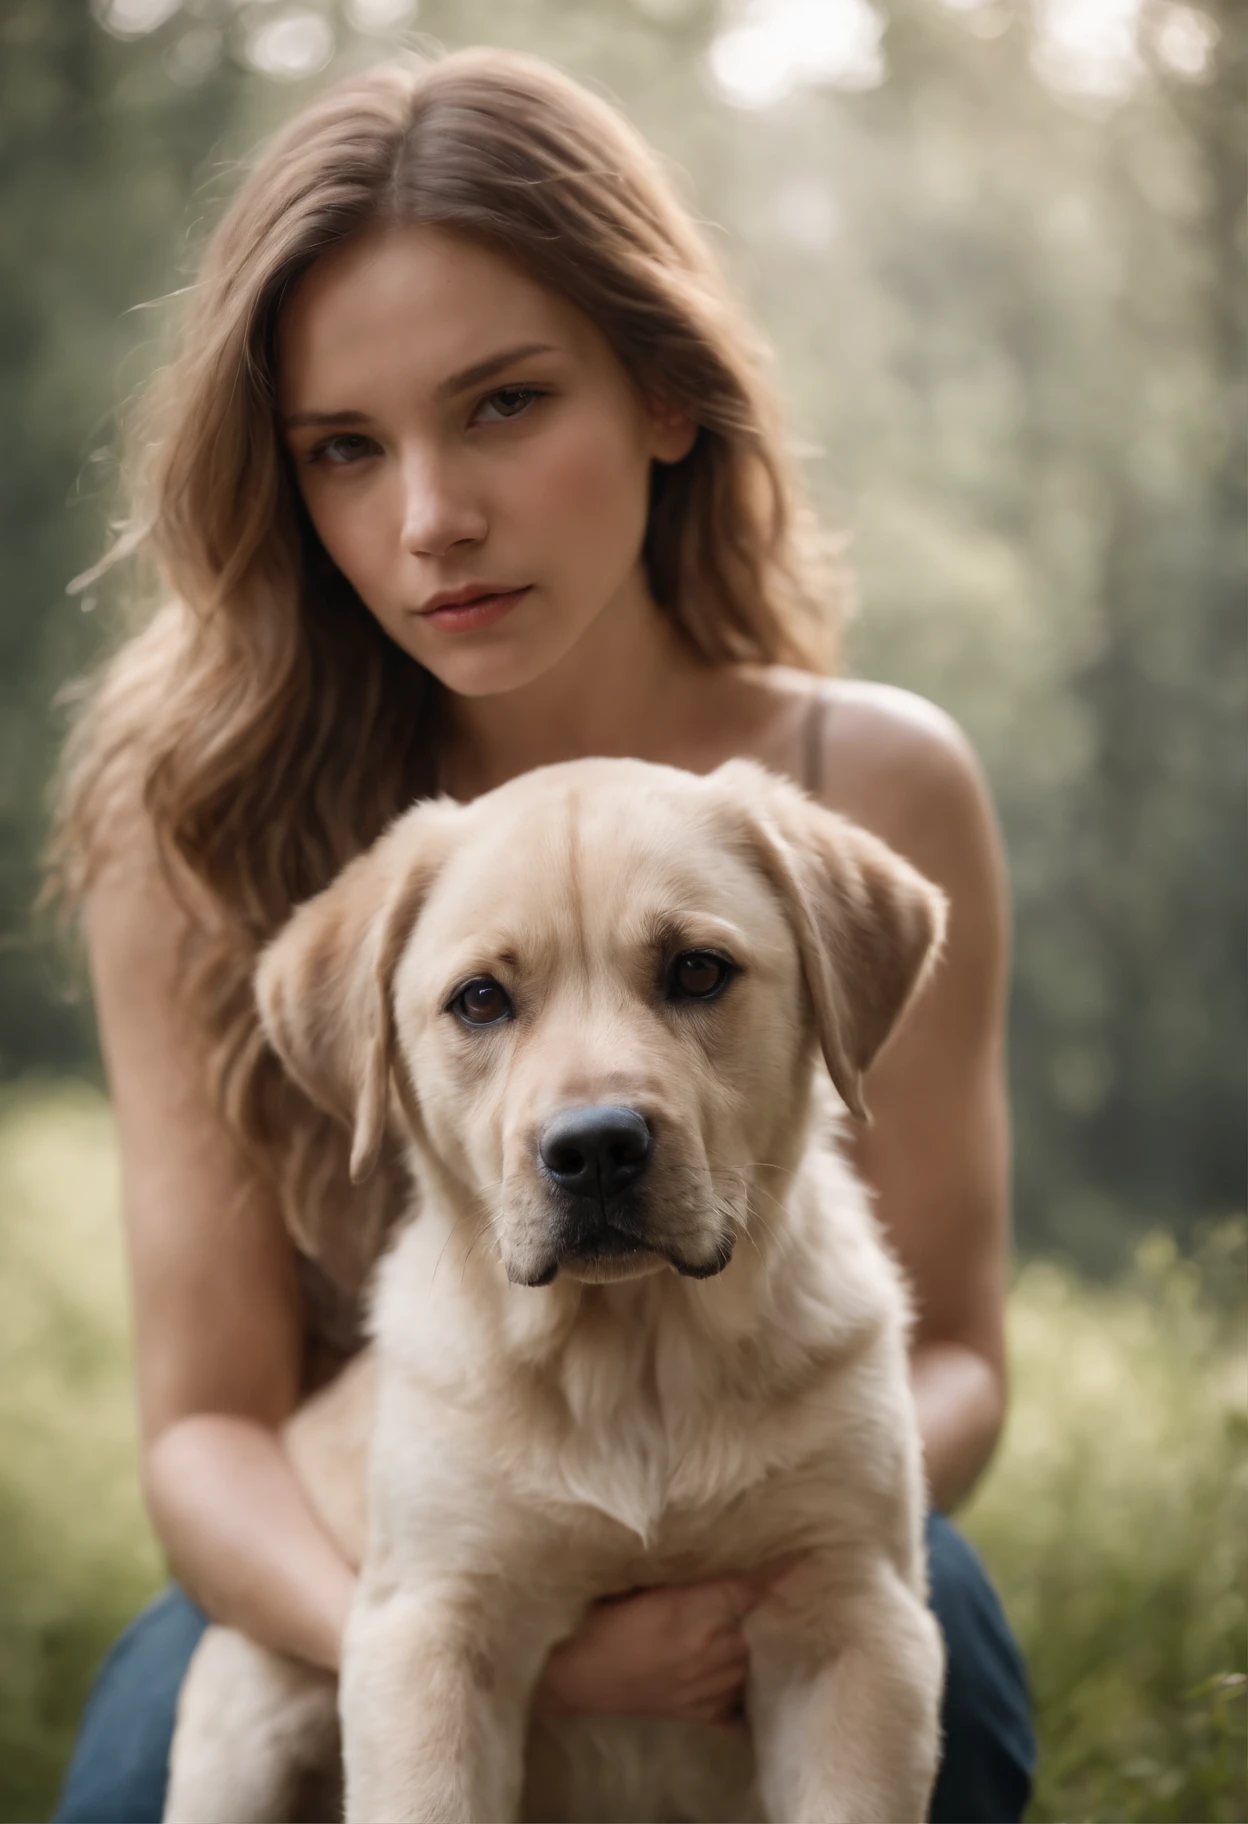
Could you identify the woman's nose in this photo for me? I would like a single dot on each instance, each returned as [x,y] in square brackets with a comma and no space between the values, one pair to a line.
[440,506]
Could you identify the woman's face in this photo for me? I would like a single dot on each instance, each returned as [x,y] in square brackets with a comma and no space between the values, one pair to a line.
[455,427]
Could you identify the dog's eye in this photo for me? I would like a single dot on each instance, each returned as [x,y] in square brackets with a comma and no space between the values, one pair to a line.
[482,1002]
[698,975]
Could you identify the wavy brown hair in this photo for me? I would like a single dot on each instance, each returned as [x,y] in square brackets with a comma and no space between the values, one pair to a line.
[262,725]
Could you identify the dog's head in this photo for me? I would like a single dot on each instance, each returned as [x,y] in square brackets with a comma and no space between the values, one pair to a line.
[597,991]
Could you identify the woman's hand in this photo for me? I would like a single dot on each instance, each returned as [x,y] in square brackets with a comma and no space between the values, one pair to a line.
[676,1652]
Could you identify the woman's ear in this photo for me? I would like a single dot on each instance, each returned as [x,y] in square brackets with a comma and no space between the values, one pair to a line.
[868,926]
[673,432]
[323,985]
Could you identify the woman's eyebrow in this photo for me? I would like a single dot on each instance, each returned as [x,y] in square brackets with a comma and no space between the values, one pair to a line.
[445,389]
[293,420]
[484,370]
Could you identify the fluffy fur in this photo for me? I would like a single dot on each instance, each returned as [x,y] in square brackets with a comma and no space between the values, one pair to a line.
[710,1382]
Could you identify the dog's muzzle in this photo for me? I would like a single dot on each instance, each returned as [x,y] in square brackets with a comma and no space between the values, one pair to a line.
[595,1161]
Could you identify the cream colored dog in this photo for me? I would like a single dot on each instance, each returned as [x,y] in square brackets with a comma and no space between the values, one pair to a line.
[643,1329]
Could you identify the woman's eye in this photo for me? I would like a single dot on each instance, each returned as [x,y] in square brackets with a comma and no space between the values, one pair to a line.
[510,402]
[482,1002]
[340,452]
[698,975]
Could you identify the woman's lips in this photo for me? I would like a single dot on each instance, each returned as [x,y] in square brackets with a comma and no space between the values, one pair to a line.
[466,617]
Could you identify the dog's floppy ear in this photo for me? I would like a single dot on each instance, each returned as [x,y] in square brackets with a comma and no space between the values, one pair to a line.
[868,925]
[323,984]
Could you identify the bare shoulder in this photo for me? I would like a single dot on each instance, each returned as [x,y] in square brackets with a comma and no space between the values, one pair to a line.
[216,1300]
[139,937]
[887,758]
[889,728]
[135,915]
[902,767]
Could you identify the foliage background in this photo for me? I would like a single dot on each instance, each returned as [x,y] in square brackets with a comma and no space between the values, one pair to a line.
[999,248]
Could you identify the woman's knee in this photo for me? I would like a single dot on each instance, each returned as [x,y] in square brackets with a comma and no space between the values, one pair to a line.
[989,1747]
[120,1764]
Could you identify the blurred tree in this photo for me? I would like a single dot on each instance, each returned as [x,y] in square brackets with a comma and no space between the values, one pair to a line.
[101,151]
[1157,859]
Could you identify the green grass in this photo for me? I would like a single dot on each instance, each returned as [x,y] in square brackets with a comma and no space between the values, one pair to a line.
[76,1555]
[1113,1519]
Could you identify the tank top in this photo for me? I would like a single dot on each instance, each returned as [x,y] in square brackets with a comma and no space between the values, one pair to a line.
[333,1313]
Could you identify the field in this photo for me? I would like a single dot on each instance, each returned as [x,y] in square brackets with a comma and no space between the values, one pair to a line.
[1113,1521]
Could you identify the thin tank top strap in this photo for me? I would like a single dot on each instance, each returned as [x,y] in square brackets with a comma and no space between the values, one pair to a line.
[816,721]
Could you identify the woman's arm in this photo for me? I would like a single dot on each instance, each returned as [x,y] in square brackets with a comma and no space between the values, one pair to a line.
[217,1309]
[937,1149]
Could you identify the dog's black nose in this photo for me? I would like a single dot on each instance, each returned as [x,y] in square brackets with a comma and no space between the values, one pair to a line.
[596,1152]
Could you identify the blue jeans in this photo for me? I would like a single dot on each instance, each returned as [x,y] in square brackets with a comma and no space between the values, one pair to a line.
[120,1764]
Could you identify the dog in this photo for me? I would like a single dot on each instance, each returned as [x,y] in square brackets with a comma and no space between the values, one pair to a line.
[642,1328]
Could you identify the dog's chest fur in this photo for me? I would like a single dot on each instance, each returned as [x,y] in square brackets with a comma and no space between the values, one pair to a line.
[655,1419]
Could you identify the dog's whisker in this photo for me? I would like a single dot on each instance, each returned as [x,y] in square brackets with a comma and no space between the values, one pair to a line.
[753,1211]
[489,1223]
[462,1217]
[759,1215]
[477,1206]
[484,1224]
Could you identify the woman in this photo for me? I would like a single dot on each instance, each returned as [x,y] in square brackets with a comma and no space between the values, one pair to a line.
[466,463]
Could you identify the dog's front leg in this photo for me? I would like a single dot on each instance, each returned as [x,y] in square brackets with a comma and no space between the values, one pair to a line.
[250,1724]
[845,1705]
[434,1715]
